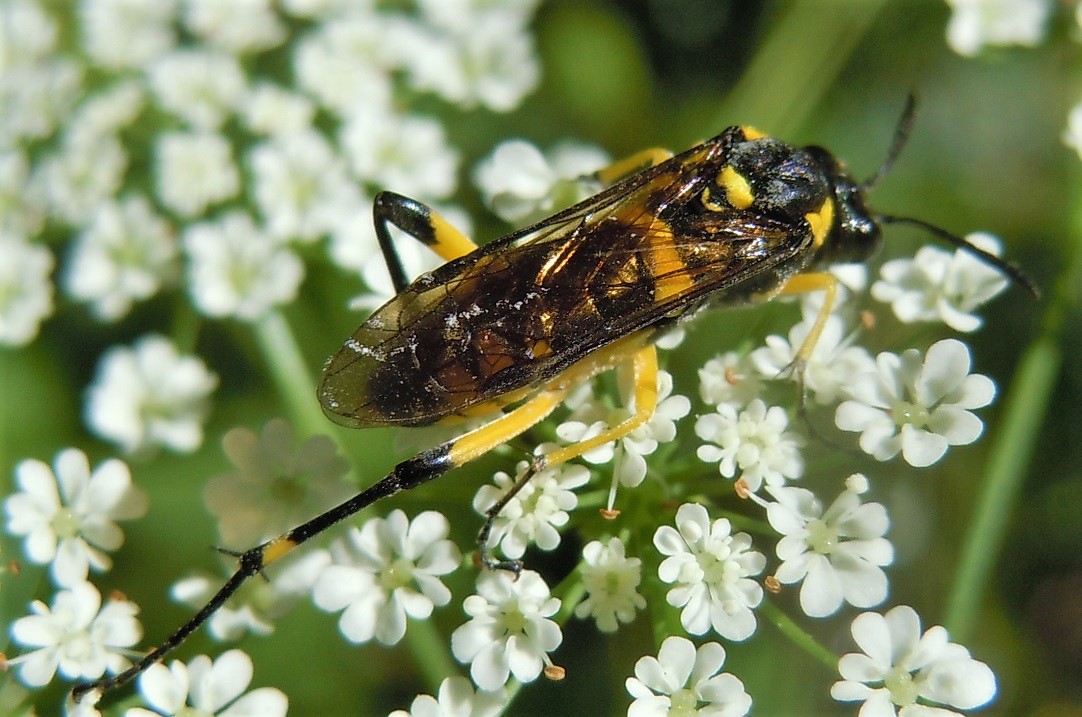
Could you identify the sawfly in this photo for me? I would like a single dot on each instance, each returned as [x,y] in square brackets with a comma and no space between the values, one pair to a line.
[513,326]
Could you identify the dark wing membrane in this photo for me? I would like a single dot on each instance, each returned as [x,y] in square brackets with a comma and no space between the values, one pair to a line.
[516,312]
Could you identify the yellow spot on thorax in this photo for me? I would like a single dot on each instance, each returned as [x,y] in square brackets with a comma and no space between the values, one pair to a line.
[821,222]
[737,190]
[750,133]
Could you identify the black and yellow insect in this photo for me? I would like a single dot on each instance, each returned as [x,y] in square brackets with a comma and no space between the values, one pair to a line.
[514,325]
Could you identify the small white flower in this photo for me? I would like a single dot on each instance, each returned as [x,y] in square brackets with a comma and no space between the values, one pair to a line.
[729,378]
[1072,135]
[459,15]
[276,484]
[386,571]
[124,256]
[901,666]
[235,26]
[237,270]
[611,580]
[201,87]
[300,187]
[127,33]
[492,63]
[150,395]
[72,527]
[753,441]
[110,109]
[74,637]
[976,23]
[194,170]
[537,510]
[520,184]
[683,680]
[207,688]
[87,170]
[273,110]
[918,408]
[838,553]
[29,32]
[831,365]
[510,631]
[409,154]
[457,698]
[22,212]
[591,417]
[937,285]
[26,294]
[259,603]
[339,63]
[712,569]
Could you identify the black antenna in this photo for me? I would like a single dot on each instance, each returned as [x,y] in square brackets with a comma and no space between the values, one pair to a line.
[1013,272]
[901,136]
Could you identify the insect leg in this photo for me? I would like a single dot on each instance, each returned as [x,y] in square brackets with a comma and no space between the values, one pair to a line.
[644,376]
[629,165]
[408,474]
[422,223]
[802,284]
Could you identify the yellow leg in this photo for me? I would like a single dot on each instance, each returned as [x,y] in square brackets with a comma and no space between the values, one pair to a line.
[630,165]
[481,440]
[802,284]
[423,224]
[644,367]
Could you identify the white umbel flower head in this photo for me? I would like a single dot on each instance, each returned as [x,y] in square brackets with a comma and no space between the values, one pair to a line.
[917,407]
[832,364]
[201,87]
[300,186]
[127,33]
[123,257]
[237,270]
[26,294]
[729,378]
[456,698]
[207,688]
[611,580]
[194,170]
[387,571]
[149,395]
[74,637]
[837,553]
[976,23]
[936,285]
[753,442]
[683,680]
[712,569]
[537,510]
[276,484]
[68,513]
[900,666]
[510,631]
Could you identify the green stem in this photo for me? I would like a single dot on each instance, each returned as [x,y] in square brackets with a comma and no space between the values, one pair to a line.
[1023,413]
[430,649]
[797,636]
[782,83]
[290,372]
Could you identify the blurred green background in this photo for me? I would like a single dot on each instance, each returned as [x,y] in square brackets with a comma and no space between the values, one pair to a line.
[985,154]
